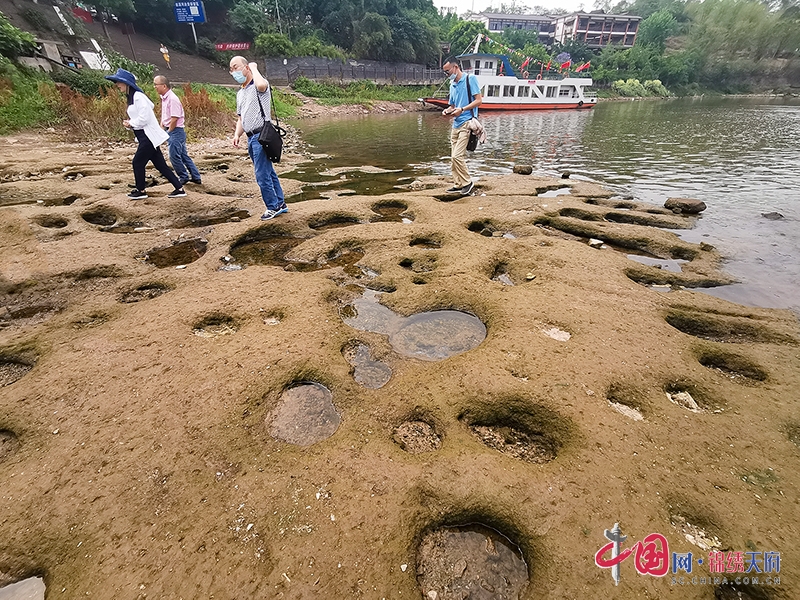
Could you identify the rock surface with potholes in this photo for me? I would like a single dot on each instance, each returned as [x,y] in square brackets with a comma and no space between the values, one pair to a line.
[149,447]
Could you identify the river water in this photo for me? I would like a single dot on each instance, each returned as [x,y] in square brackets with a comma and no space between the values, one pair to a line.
[741,156]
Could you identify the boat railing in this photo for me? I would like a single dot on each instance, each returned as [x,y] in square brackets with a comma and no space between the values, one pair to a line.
[590,95]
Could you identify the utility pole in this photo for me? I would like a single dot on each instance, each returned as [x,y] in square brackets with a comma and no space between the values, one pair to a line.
[278,12]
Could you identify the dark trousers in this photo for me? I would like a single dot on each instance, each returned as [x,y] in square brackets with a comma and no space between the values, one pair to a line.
[147,153]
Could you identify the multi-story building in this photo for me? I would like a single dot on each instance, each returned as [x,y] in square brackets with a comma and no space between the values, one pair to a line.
[595,29]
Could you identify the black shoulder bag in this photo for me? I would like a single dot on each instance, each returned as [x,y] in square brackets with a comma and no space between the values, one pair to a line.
[271,136]
[472,143]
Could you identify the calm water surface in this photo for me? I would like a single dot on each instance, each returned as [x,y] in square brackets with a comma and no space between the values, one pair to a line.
[740,156]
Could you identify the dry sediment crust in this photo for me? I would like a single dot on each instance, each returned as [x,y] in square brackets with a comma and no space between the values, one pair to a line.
[144,466]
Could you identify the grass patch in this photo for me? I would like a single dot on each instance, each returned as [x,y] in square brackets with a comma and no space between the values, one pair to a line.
[27,98]
[330,93]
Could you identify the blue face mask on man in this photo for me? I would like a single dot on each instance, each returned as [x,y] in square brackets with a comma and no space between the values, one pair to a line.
[239,76]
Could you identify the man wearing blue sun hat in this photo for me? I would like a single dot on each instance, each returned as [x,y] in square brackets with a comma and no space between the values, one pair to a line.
[142,120]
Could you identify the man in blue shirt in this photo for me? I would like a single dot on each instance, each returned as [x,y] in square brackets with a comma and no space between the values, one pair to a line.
[464,102]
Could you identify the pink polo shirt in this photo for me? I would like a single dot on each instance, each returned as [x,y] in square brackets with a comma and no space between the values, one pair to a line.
[171,107]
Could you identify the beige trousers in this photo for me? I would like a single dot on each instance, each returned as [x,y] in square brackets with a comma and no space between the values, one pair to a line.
[458,151]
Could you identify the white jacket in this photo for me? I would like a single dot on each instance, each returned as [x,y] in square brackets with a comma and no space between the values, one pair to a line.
[141,116]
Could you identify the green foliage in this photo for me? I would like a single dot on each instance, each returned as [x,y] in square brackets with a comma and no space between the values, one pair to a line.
[14,42]
[85,81]
[631,88]
[656,28]
[358,92]
[274,44]
[655,88]
[462,37]
[312,45]
[35,19]
[252,18]
[27,98]
[144,71]
[373,37]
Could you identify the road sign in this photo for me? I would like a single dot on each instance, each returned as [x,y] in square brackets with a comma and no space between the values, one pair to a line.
[190,11]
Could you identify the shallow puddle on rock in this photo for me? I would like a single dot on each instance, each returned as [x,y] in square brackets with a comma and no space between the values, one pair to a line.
[225,216]
[432,336]
[672,265]
[370,373]
[471,561]
[181,253]
[553,193]
[305,415]
[32,588]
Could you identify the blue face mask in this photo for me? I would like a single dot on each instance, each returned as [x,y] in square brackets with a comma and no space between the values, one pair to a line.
[239,76]
[453,77]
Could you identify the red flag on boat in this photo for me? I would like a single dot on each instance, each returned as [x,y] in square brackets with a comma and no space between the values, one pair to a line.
[525,62]
[583,67]
[548,65]
[566,64]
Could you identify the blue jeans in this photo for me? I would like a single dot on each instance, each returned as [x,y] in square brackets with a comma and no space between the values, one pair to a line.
[266,178]
[179,156]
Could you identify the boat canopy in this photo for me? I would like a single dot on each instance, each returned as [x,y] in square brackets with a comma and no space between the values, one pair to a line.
[501,59]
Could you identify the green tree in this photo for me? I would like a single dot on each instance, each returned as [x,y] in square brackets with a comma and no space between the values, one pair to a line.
[462,36]
[373,37]
[656,28]
[274,44]
[253,18]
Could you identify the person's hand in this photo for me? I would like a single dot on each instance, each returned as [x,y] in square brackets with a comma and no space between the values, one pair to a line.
[447,111]
[126,124]
[235,141]
[253,66]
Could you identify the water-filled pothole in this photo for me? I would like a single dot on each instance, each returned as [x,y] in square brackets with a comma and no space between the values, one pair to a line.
[266,246]
[215,325]
[145,291]
[8,443]
[52,221]
[104,217]
[731,365]
[304,416]
[565,191]
[32,588]
[470,561]
[12,370]
[391,212]
[671,265]
[416,437]
[180,253]
[432,336]
[368,372]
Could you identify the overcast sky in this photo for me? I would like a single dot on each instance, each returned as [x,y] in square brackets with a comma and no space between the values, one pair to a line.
[463,6]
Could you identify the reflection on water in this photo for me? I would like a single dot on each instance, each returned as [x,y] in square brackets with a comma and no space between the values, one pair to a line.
[738,155]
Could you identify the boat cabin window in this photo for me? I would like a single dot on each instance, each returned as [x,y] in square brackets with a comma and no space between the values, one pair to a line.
[540,91]
[567,91]
[551,91]
[492,90]
[508,90]
[523,91]
[466,65]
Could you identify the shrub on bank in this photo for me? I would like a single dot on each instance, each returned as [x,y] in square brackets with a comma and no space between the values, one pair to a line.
[27,98]
[358,92]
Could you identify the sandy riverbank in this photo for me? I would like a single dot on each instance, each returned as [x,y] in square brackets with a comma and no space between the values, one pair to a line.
[138,403]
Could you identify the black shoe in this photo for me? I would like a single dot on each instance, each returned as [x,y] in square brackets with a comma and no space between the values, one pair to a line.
[197,181]
[137,195]
[467,189]
[177,193]
[455,188]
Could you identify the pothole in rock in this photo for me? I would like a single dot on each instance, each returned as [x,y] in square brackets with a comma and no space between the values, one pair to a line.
[90,320]
[51,221]
[38,311]
[8,445]
[421,265]
[580,213]
[735,367]
[691,397]
[532,433]
[32,588]
[741,591]
[12,370]
[59,200]
[180,253]
[626,400]
[485,228]
[146,291]
[695,534]
[793,433]
[391,212]
[725,329]
[215,325]
[433,335]
[228,215]
[426,242]
[332,221]
[671,265]
[416,437]
[470,561]
[500,274]
[104,217]
[305,415]
[128,227]
[267,246]
[368,372]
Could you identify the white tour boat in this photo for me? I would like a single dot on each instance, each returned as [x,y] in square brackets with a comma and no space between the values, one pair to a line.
[502,89]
